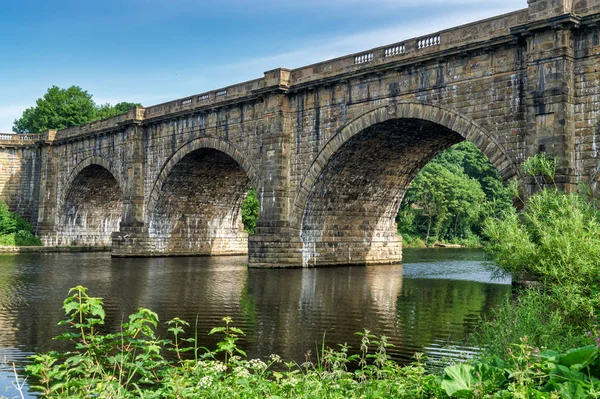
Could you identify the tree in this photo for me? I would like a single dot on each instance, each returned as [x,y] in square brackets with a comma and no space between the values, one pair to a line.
[62,108]
[107,110]
[58,109]
[426,195]
[445,200]
[250,209]
[452,196]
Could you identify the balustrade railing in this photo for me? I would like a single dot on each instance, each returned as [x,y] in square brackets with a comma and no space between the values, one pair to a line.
[362,58]
[395,50]
[19,137]
[429,41]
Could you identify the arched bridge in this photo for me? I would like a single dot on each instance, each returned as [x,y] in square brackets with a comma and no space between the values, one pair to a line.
[330,148]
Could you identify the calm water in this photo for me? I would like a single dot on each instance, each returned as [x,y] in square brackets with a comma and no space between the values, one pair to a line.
[430,304]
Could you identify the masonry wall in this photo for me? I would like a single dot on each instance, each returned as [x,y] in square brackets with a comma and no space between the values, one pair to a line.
[587,107]
[19,180]
[240,126]
[63,194]
[486,87]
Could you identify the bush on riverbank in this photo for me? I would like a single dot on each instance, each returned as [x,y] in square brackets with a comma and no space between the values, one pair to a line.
[132,364]
[14,230]
[554,242]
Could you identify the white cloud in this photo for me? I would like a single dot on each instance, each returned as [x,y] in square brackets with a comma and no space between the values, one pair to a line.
[324,48]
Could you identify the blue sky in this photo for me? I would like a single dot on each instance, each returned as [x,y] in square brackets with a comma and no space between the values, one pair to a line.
[151,51]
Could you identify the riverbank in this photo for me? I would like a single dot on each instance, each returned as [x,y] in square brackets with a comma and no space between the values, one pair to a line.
[39,249]
[421,244]
[394,300]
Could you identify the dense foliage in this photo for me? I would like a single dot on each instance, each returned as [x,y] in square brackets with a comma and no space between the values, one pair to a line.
[451,197]
[553,245]
[14,230]
[250,209]
[134,363]
[62,108]
[554,242]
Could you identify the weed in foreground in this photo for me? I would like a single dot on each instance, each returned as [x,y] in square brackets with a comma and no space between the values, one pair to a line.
[131,364]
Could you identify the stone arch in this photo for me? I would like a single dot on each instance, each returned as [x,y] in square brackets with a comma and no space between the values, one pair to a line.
[195,204]
[345,206]
[188,148]
[93,160]
[91,205]
[450,119]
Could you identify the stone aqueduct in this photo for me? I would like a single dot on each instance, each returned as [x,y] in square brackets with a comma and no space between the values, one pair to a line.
[330,148]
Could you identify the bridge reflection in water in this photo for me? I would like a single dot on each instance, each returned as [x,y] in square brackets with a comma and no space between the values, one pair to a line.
[420,306]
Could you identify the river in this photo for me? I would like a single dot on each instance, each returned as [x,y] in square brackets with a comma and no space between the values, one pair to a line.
[429,304]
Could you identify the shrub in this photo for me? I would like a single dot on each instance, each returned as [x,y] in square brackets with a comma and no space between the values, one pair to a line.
[250,209]
[556,240]
[14,230]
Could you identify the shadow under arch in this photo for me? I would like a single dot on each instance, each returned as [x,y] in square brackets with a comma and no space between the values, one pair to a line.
[346,203]
[91,205]
[186,149]
[93,160]
[194,207]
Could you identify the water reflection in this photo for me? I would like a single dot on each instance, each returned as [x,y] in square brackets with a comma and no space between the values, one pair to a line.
[432,301]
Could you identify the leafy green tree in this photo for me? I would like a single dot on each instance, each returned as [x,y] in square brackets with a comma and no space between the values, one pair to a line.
[250,209]
[452,196]
[14,230]
[448,202]
[58,109]
[426,195]
[62,108]
[106,110]
[477,166]
[8,223]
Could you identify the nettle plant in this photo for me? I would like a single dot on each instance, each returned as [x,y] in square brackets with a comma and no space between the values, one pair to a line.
[134,363]
[130,364]
[114,362]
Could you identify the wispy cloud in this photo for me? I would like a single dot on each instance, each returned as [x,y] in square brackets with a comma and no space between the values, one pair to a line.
[324,48]
[421,3]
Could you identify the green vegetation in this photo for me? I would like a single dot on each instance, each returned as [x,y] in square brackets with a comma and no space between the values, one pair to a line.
[555,244]
[15,230]
[250,209]
[451,197]
[62,108]
[135,363]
